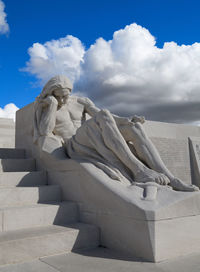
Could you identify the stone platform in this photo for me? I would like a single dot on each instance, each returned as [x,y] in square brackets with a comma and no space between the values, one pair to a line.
[156,229]
[103,260]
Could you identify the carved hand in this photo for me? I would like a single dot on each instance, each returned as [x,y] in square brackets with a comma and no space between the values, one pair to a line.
[50,100]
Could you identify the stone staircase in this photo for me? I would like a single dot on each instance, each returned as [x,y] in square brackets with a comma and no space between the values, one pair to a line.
[34,222]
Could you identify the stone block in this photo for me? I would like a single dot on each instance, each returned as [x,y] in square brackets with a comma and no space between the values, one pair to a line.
[8,122]
[28,244]
[7,132]
[176,156]
[194,144]
[7,142]
[12,153]
[29,195]
[20,217]
[175,237]
[17,165]
[23,178]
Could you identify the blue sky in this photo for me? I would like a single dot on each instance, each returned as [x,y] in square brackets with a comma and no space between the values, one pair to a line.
[39,21]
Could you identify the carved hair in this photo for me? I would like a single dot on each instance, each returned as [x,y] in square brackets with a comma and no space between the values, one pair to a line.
[56,82]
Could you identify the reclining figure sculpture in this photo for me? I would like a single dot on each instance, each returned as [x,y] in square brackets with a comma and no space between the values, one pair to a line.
[117,145]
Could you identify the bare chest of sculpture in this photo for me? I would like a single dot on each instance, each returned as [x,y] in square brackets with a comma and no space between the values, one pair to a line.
[68,118]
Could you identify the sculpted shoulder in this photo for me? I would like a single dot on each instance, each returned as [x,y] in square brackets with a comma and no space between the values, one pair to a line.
[76,106]
[85,101]
[80,100]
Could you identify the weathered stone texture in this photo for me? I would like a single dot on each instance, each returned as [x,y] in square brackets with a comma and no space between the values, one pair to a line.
[175,154]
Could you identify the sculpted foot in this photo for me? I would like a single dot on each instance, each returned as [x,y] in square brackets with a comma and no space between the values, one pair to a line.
[151,176]
[179,185]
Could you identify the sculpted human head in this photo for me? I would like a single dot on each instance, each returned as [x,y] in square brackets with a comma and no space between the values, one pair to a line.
[61,95]
[60,87]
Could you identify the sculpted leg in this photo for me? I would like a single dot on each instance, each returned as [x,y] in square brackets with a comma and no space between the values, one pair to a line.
[147,152]
[144,147]
[114,140]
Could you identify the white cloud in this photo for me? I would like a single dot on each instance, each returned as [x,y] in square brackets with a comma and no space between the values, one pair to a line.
[128,74]
[8,111]
[56,57]
[4,27]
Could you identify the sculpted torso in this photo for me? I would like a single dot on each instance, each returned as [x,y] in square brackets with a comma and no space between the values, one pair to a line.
[69,117]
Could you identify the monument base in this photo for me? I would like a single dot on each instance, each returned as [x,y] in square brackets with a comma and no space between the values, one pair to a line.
[154,224]
[153,230]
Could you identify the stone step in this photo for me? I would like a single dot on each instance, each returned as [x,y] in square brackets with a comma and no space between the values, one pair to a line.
[29,195]
[36,178]
[28,244]
[12,153]
[17,165]
[19,217]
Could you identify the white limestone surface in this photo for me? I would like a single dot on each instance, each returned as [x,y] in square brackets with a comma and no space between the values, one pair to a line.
[137,220]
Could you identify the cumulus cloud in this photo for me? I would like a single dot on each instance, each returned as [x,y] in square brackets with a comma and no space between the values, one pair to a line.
[4,27]
[61,56]
[8,111]
[128,74]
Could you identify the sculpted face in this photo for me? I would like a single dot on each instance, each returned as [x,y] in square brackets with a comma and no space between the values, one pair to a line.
[62,95]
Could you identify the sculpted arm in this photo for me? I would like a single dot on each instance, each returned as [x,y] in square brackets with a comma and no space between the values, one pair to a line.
[48,117]
[89,106]
[91,109]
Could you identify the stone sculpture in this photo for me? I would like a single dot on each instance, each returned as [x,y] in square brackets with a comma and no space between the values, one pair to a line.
[117,145]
